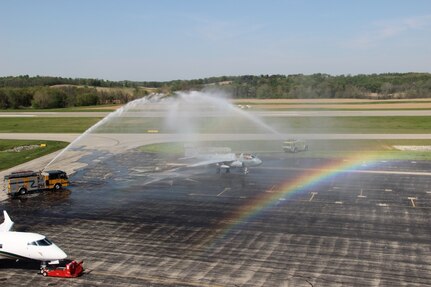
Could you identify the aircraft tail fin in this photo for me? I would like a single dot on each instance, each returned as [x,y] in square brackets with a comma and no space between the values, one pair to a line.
[7,223]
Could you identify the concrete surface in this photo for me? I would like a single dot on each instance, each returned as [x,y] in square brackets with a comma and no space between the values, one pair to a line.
[355,228]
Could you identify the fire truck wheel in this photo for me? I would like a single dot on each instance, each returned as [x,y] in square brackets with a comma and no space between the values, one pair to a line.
[57,186]
[22,191]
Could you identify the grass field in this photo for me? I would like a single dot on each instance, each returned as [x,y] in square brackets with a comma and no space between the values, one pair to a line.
[98,108]
[380,149]
[383,125]
[281,104]
[46,125]
[413,124]
[9,158]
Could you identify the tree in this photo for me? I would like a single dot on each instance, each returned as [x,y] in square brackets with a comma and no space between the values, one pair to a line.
[49,98]
[88,99]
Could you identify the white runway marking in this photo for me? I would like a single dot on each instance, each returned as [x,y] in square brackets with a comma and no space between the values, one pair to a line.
[224,190]
[361,195]
[413,200]
[312,196]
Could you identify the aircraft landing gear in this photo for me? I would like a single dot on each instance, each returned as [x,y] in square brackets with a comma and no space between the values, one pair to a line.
[43,265]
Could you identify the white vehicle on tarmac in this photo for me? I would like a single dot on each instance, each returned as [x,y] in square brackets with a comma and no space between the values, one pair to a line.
[294,145]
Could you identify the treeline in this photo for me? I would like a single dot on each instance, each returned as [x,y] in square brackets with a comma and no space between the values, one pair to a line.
[65,96]
[375,86]
[57,92]
[27,81]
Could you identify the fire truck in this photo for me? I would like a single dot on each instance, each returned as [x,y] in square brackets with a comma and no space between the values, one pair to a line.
[22,182]
[294,145]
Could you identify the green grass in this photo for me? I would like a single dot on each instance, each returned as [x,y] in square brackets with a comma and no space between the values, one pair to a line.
[46,125]
[343,109]
[377,102]
[385,125]
[99,108]
[377,125]
[165,148]
[408,124]
[380,149]
[9,158]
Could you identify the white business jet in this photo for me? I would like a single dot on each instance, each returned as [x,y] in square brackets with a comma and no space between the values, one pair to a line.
[223,158]
[26,245]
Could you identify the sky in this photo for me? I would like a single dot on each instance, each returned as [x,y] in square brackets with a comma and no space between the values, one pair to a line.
[162,40]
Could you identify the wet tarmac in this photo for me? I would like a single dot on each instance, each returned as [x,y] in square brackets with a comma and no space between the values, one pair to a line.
[136,221]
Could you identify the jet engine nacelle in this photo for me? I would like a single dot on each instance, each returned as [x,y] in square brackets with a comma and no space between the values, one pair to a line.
[236,163]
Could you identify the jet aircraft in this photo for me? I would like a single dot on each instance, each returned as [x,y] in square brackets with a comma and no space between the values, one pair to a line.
[26,245]
[223,158]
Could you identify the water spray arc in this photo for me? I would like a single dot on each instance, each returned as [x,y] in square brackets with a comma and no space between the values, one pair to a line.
[117,113]
[182,117]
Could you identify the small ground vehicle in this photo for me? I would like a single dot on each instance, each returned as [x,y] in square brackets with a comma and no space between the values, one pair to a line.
[65,269]
[22,182]
[294,145]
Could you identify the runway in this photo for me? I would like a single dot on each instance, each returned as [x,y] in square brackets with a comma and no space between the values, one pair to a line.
[260,113]
[361,227]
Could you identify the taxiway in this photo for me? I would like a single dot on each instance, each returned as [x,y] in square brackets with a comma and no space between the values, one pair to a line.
[360,227]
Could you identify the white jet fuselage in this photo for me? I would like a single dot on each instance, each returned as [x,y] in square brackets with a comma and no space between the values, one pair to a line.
[26,245]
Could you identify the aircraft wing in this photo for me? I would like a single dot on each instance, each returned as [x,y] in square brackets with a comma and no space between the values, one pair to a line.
[7,224]
[214,159]
[207,162]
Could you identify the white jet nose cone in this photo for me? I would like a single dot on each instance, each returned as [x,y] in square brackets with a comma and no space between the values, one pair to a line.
[62,254]
[57,253]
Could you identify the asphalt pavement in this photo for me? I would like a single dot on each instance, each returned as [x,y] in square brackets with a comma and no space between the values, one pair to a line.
[135,221]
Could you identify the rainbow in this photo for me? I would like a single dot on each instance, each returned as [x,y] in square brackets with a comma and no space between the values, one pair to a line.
[306,180]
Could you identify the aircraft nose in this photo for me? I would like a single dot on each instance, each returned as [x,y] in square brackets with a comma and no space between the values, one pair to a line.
[57,253]
[258,161]
[62,254]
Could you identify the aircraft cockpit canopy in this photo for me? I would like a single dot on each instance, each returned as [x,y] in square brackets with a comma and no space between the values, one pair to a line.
[249,156]
[41,242]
